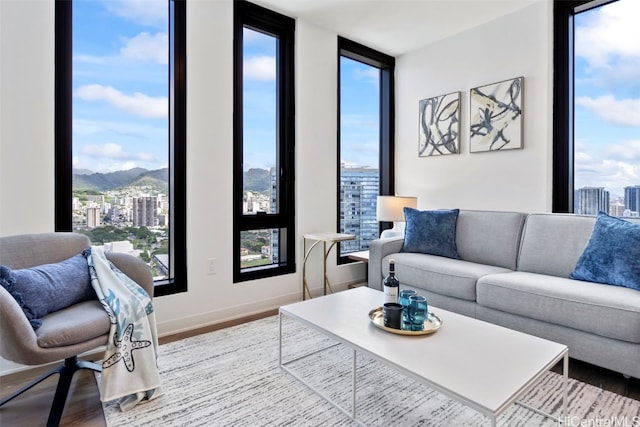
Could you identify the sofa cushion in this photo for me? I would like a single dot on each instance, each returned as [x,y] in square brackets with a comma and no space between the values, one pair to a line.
[612,255]
[552,243]
[46,288]
[431,232]
[445,276]
[489,237]
[76,324]
[608,311]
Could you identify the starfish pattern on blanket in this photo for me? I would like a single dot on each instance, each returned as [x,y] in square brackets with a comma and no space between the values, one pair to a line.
[125,346]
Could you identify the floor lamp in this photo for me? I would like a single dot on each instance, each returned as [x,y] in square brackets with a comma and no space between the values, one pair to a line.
[391,208]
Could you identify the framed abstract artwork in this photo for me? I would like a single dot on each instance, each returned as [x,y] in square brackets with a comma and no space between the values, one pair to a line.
[439,124]
[496,116]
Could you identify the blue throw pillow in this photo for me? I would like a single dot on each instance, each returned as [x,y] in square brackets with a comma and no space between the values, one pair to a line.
[431,232]
[47,288]
[612,255]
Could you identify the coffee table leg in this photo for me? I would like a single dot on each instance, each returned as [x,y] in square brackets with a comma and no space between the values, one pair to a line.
[565,388]
[353,386]
[280,339]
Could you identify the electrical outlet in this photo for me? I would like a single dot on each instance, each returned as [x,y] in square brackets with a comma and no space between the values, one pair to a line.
[212,265]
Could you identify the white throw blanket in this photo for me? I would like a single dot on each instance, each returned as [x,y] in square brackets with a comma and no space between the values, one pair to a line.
[129,370]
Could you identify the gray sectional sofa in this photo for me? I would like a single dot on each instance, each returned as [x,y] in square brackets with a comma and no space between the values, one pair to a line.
[514,271]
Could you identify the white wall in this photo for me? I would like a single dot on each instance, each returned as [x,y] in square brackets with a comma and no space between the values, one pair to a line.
[26,116]
[27,141]
[516,45]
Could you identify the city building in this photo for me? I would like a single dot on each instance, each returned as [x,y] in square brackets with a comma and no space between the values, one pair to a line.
[591,200]
[145,211]
[632,198]
[616,208]
[93,217]
[359,189]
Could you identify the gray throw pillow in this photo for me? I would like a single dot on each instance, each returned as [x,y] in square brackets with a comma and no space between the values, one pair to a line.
[431,232]
[47,288]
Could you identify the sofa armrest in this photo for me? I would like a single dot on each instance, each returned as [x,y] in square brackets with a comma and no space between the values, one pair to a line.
[133,267]
[378,249]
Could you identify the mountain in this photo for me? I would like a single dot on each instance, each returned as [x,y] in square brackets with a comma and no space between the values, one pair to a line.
[82,171]
[157,179]
[257,180]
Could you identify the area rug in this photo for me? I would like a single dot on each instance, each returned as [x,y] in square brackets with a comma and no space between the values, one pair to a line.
[231,377]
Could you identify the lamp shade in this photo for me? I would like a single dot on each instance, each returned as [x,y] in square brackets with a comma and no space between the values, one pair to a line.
[391,208]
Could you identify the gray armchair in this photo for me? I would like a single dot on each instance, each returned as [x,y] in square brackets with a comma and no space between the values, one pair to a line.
[66,333]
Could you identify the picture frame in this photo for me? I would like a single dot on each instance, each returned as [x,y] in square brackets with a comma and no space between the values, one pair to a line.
[439,125]
[496,116]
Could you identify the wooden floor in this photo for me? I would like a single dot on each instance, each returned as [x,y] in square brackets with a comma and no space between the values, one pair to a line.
[84,408]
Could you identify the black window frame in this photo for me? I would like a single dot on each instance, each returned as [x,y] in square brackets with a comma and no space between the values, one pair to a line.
[269,22]
[386,166]
[563,173]
[176,139]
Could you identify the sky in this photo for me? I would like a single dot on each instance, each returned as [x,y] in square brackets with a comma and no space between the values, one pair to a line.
[120,84]
[359,106]
[120,98]
[607,97]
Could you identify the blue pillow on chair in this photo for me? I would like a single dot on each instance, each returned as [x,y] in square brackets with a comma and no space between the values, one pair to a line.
[431,232]
[47,288]
[612,255]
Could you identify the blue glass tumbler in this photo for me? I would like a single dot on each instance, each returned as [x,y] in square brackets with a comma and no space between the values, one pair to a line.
[417,312]
[403,299]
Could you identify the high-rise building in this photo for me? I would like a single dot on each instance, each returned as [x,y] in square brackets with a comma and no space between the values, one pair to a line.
[616,208]
[632,198]
[592,200]
[145,211]
[359,189]
[93,217]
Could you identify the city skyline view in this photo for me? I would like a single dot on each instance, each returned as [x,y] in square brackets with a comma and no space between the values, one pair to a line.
[120,93]
[607,97]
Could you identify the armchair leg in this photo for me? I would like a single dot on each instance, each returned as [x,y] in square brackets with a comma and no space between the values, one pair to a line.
[71,366]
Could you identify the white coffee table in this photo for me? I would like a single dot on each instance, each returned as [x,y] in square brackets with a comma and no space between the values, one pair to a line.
[484,366]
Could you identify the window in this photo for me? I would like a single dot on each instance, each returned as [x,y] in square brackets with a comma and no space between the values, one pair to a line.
[263,186]
[365,142]
[596,131]
[120,130]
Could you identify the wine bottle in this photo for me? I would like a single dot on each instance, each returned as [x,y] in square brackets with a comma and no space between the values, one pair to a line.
[391,284]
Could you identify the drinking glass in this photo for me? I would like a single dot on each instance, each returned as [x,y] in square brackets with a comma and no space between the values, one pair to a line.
[403,299]
[417,312]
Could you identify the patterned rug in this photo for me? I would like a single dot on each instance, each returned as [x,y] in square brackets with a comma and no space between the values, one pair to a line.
[231,377]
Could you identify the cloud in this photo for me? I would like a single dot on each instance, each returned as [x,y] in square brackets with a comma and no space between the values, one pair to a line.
[145,12]
[139,104]
[611,32]
[618,111]
[625,151]
[111,157]
[114,151]
[260,67]
[360,121]
[147,47]
[616,167]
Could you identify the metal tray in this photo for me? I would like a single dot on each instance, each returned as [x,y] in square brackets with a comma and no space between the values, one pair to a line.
[432,324]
